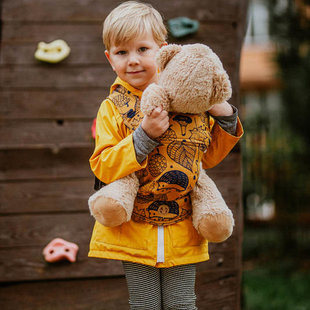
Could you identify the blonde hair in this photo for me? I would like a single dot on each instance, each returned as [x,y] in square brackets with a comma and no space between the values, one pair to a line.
[131,19]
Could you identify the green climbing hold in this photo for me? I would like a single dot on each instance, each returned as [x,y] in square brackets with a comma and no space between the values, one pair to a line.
[182,26]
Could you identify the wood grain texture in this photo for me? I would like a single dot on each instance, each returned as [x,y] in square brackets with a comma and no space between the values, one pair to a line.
[96,10]
[23,237]
[217,291]
[45,196]
[49,164]
[50,77]
[46,112]
[31,230]
[45,164]
[51,104]
[95,294]
[28,264]
[92,53]
[90,34]
[45,134]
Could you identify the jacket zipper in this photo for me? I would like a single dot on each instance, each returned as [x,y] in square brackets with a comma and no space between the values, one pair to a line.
[160,245]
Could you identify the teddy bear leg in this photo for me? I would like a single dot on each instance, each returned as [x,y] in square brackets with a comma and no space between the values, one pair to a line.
[215,228]
[112,205]
[211,216]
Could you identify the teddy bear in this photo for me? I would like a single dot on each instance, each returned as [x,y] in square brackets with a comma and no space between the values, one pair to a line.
[191,80]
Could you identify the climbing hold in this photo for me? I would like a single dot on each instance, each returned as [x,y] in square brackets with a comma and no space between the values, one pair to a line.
[53,52]
[93,128]
[182,26]
[59,249]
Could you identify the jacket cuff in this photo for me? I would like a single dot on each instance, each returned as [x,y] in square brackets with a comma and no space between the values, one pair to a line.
[221,144]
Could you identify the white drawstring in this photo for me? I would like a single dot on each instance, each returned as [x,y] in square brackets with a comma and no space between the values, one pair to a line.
[160,245]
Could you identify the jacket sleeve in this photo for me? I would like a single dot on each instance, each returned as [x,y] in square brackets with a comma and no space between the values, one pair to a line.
[114,155]
[221,144]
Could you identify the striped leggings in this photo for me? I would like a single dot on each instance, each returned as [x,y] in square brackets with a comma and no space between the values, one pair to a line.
[152,288]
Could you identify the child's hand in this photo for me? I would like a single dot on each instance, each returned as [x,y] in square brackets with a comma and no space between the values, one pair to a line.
[221,109]
[156,123]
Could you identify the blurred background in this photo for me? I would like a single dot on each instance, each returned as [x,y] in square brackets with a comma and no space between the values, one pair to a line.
[275,96]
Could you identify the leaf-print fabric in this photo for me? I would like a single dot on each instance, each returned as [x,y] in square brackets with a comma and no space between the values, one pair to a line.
[173,167]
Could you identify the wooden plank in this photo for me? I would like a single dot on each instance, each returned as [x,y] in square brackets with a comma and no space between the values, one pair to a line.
[95,294]
[16,53]
[37,229]
[34,32]
[95,11]
[28,264]
[217,290]
[90,34]
[79,22]
[214,290]
[45,164]
[56,77]
[72,195]
[33,230]
[45,133]
[60,78]
[55,104]
[45,196]
[20,262]
[21,53]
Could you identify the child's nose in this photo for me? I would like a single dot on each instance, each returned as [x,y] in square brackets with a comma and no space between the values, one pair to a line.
[133,59]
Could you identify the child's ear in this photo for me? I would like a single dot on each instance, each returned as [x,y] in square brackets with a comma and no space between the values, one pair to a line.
[107,54]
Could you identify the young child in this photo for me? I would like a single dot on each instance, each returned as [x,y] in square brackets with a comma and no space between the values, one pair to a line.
[159,261]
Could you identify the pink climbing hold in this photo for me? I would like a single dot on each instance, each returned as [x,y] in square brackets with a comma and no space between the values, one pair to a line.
[93,128]
[60,249]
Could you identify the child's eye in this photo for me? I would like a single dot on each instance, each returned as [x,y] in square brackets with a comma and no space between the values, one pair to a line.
[143,49]
[121,53]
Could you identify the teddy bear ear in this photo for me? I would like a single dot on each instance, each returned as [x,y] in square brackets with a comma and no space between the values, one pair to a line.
[221,88]
[166,53]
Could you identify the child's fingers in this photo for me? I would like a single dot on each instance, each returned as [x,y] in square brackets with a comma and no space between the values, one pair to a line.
[156,112]
[159,113]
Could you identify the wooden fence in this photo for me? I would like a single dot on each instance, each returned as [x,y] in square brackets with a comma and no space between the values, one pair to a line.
[46,113]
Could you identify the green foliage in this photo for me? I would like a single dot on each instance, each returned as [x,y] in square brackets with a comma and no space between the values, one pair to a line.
[290,29]
[261,246]
[273,279]
[276,152]
[276,148]
[270,289]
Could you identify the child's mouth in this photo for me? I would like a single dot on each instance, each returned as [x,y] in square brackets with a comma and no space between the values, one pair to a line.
[135,72]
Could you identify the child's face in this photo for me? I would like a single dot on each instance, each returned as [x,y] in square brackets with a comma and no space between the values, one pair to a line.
[134,61]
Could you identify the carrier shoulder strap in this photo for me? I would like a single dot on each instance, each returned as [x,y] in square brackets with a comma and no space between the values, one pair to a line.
[128,105]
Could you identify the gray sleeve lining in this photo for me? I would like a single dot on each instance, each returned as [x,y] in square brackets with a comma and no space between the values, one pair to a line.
[228,123]
[143,144]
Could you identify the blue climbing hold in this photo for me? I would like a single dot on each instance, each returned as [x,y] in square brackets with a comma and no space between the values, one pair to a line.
[182,26]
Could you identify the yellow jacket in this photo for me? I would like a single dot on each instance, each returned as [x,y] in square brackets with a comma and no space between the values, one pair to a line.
[113,158]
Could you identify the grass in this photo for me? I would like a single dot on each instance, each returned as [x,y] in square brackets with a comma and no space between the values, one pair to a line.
[267,289]
[273,279]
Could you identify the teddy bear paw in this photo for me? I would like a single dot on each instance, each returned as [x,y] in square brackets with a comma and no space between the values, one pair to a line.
[215,228]
[108,212]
